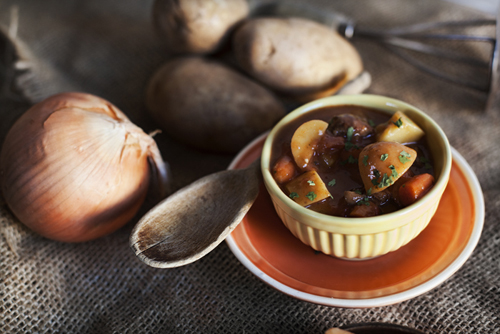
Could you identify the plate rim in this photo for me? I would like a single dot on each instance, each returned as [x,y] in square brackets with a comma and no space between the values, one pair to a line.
[443,275]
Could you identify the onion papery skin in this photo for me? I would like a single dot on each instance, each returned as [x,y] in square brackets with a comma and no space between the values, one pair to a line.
[74,168]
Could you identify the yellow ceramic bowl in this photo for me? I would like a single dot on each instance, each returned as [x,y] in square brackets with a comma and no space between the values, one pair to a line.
[361,238]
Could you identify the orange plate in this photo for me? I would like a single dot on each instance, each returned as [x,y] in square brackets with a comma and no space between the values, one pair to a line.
[266,247]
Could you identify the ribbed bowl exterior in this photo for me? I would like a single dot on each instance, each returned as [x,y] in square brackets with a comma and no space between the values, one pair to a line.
[357,245]
[361,238]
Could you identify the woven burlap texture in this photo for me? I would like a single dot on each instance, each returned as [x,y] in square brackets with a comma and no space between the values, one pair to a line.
[109,48]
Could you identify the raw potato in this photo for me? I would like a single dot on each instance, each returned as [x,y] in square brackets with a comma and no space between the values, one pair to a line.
[197,26]
[207,105]
[400,129]
[296,57]
[375,161]
[305,140]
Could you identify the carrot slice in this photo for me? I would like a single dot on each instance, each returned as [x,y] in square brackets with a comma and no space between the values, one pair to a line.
[415,188]
[284,169]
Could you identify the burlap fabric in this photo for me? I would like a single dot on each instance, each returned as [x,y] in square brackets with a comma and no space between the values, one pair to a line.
[108,48]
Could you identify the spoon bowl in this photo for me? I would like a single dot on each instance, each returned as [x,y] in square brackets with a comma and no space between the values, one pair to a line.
[191,222]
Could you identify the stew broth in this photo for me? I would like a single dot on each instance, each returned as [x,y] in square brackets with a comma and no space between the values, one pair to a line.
[336,159]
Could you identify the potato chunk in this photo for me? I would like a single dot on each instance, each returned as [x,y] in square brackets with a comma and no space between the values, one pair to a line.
[305,141]
[381,164]
[307,188]
[400,129]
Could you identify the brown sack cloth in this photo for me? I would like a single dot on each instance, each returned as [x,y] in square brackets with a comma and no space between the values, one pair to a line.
[109,48]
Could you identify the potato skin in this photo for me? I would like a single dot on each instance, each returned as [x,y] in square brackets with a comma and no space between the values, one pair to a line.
[295,56]
[197,26]
[210,106]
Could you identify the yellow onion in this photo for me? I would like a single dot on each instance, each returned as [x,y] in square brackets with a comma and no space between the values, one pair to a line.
[74,167]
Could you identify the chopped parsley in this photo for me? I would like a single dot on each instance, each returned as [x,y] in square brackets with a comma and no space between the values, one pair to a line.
[357,191]
[386,181]
[332,182]
[364,201]
[404,157]
[372,123]
[394,173]
[311,196]
[384,157]
[293,195]
[350,132]
[350,160]
[369,192]
[311,183]
[365,160]
[399,122]
[349,145]
[426,162]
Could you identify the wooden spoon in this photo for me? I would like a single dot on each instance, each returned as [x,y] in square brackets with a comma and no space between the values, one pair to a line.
[191,222]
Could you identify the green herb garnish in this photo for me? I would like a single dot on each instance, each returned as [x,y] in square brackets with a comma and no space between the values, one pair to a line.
[394,173]
[386,181]
[369,192]
[311,183]
[404,157]
[426,162]
[384,157]
[350,132]
[348,146]
[364,201]
[399,122]
[293,195]
[350,160]
[365,160]
[311,195]
[372,123]
[332,182]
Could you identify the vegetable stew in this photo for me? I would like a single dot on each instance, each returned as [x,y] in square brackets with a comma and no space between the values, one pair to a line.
[351,161]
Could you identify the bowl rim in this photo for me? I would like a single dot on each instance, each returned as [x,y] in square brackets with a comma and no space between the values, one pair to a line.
[365,100]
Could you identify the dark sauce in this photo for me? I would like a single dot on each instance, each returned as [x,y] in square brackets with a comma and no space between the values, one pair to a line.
[344,172]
